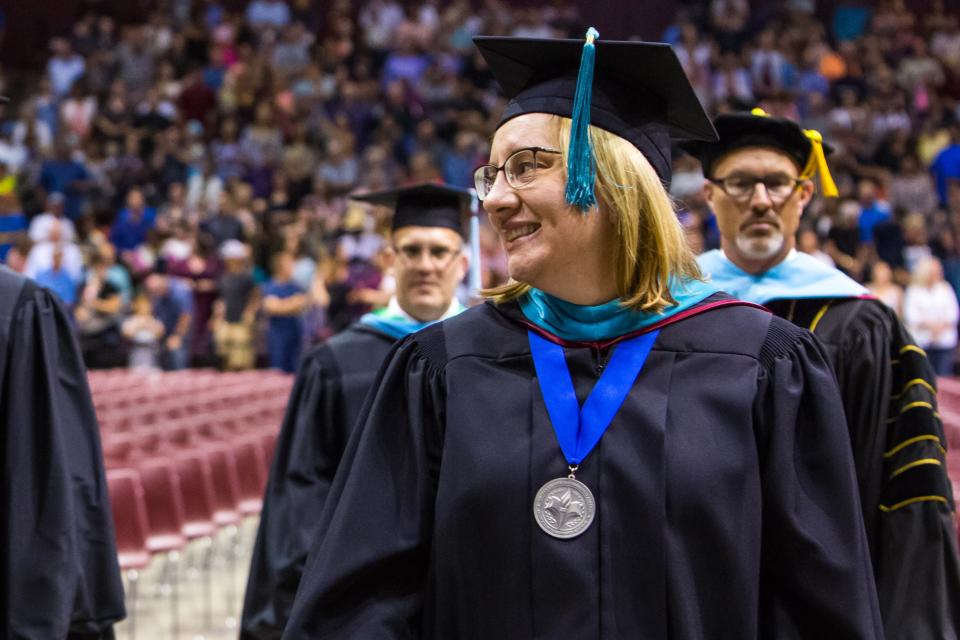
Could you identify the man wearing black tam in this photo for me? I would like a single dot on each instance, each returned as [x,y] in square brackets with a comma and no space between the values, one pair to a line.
[428,262]
[609,448]
[758,183]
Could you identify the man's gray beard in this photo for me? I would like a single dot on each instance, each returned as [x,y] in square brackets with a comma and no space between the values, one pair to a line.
[760,248]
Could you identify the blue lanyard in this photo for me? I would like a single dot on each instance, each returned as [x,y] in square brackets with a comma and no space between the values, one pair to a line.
[579,430]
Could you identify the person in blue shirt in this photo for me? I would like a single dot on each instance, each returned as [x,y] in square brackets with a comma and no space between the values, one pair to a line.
[946,165]
[58,280]
[133,222]
[65,175]
[172,308]
[873,210]
[284,301]
[13,224]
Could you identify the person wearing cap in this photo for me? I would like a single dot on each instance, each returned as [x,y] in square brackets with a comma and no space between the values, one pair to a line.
[235,312]
[705,488]
[759,179]
[428,261]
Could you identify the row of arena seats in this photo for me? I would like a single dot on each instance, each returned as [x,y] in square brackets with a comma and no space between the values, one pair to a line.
[187,456]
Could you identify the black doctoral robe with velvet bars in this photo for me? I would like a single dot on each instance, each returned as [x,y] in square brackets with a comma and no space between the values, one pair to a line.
[726,496]
[889,396]
[324,404]
[59,576]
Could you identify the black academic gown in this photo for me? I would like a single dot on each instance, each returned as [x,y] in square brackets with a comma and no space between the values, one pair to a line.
[58,556]
[330,388]
[888,388]
[726,497]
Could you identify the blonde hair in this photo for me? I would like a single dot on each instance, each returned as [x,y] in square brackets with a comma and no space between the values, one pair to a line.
[923,271]
[652,247]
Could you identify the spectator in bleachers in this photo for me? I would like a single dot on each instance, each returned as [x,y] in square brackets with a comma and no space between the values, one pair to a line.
[171,307]
[13,224]
[133,222]
[143,333]
[221,222]
[41,255]
[42,224]
[66,173]
[931,314]
[809,243]
[262,14]
[873,209]
[284,302]
[234,313]
[882,286]
[64,68]
[58,280]
[200,272]
[99,316]
[946,165]
[911,188]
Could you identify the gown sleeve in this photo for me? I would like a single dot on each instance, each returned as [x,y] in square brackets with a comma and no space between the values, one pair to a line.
[367,569]
[917,566]
[816,578]
[305,461]
[60,572]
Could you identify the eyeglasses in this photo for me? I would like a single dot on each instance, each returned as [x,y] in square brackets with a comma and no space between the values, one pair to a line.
[520,169]
[440,256]
[741,187]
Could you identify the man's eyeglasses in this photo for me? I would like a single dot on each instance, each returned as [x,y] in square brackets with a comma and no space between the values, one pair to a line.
[741,187]
[440,256]
[520,169]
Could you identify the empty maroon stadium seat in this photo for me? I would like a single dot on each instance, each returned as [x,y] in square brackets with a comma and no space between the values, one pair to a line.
[196,487]
[252,474]
[129,517]
[164,500]
[223,469]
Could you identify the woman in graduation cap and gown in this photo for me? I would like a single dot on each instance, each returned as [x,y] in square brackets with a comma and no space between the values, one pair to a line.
[330,388]
[705,489]
[887,385]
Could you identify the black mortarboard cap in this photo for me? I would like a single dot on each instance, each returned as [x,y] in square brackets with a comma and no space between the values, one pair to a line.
[640,91]
[423,205]
[757,129]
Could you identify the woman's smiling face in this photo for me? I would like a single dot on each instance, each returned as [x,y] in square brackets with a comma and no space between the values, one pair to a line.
[549,244]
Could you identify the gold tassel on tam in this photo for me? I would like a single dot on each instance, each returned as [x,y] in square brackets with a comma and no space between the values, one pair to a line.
[818,164]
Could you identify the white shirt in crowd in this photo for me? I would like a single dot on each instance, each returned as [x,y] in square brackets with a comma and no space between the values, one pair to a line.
[923,307]
[41,226]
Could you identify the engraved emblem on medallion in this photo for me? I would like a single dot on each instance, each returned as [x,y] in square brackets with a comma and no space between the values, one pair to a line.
[564,508]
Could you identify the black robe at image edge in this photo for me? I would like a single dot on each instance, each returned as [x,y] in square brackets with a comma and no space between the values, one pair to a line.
[59,573]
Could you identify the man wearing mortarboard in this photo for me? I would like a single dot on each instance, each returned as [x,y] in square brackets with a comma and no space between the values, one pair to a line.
[428,260]
[759,179]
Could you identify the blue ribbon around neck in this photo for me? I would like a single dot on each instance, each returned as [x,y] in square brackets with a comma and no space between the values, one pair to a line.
[579,430]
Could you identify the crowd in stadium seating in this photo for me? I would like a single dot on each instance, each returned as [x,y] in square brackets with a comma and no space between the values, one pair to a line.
[181,183]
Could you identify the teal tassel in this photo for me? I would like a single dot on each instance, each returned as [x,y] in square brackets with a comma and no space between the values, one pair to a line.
[581,172]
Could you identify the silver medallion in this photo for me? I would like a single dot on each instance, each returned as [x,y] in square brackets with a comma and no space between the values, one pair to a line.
[564,508]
